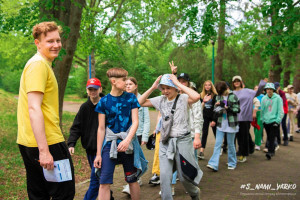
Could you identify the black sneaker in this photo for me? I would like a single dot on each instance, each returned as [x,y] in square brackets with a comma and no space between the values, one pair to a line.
[224,150]
[291,138]
[154,180]
[269,155]
[111,195]
[252,149]
[201,156]
[285,143]
[298,131]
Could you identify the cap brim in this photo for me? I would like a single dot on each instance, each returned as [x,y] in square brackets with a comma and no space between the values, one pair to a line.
[185,78]
[93,86]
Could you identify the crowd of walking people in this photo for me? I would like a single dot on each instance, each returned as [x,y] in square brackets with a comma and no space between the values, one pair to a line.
[183,122]
[113,127]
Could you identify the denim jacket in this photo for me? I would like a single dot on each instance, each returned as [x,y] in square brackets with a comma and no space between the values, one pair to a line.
[144,123]
[140,162]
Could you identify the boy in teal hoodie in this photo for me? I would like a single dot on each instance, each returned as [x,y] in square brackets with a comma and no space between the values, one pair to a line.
[271,115]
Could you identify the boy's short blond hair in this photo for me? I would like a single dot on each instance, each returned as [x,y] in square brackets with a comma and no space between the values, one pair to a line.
[44,28]
[116,73]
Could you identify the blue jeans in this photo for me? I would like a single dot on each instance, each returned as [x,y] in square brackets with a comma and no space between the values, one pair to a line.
[174,177]
[214,160]
[92,192]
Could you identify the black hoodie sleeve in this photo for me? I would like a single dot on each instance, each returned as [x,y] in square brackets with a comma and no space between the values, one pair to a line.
[75,130]
[215,115]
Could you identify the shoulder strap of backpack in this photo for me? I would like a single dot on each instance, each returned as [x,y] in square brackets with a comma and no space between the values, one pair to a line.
[174,105]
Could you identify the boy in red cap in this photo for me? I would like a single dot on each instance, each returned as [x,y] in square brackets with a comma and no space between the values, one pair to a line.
[85,125]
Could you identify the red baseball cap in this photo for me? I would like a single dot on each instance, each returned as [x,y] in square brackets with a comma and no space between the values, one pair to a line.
[94,83]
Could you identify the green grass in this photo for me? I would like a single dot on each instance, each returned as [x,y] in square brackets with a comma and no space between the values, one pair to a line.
[12,170]
[74,98]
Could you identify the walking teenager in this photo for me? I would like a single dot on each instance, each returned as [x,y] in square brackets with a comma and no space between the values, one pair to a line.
[226,108]
[85,126]
[271,115]
[143,130]
[175,148]
[285,110]
[195,110]
[292,103]
[245,117]
[208,99]
[258,131]
[116,140]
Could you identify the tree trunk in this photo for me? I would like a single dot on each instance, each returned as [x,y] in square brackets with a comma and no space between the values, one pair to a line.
[286,78]
[296,82]
[221,42]
[276,68]
[69,13]
[287,68]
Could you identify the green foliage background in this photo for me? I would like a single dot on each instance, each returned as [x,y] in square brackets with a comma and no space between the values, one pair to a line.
[141,40]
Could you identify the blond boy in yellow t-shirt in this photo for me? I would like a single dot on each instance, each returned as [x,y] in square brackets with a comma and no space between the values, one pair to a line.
[39,136]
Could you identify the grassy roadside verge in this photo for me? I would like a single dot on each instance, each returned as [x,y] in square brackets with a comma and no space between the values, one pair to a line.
[74,98]
[12,170]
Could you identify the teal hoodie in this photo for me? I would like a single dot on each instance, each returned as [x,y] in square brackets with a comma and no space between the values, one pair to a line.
[271,109]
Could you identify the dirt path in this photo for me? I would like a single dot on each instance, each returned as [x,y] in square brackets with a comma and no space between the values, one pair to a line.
[71,106]
[224,184]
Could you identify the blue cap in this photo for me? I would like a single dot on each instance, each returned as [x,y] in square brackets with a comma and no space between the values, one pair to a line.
[276,85]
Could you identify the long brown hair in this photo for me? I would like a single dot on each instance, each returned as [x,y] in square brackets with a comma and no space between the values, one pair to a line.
[132,79]
[241,85]
[213,91]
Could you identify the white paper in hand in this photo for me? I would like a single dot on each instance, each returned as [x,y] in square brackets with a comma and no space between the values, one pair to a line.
[61,172]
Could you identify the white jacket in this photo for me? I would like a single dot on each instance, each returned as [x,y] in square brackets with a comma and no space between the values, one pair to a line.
[196,118]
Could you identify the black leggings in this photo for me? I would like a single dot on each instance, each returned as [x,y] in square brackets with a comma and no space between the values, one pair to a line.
[205,131]
[284,128]
[244,139]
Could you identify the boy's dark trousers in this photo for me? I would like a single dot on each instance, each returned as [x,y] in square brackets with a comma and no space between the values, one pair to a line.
[272,130]
[37,186]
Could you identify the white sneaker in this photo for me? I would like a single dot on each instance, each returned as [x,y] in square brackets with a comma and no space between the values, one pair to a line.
[126,189]
[173,191]
[276,148]
[265,150]
[257,148]
[154,180]
[140,182]
[221,152]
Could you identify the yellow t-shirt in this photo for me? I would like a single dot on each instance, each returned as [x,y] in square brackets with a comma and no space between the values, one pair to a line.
[38,76]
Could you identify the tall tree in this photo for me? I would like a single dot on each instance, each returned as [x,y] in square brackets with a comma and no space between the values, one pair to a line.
[287,55]
[69,14]
[296,82]
[283,16]
[276,68]
[221,41]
